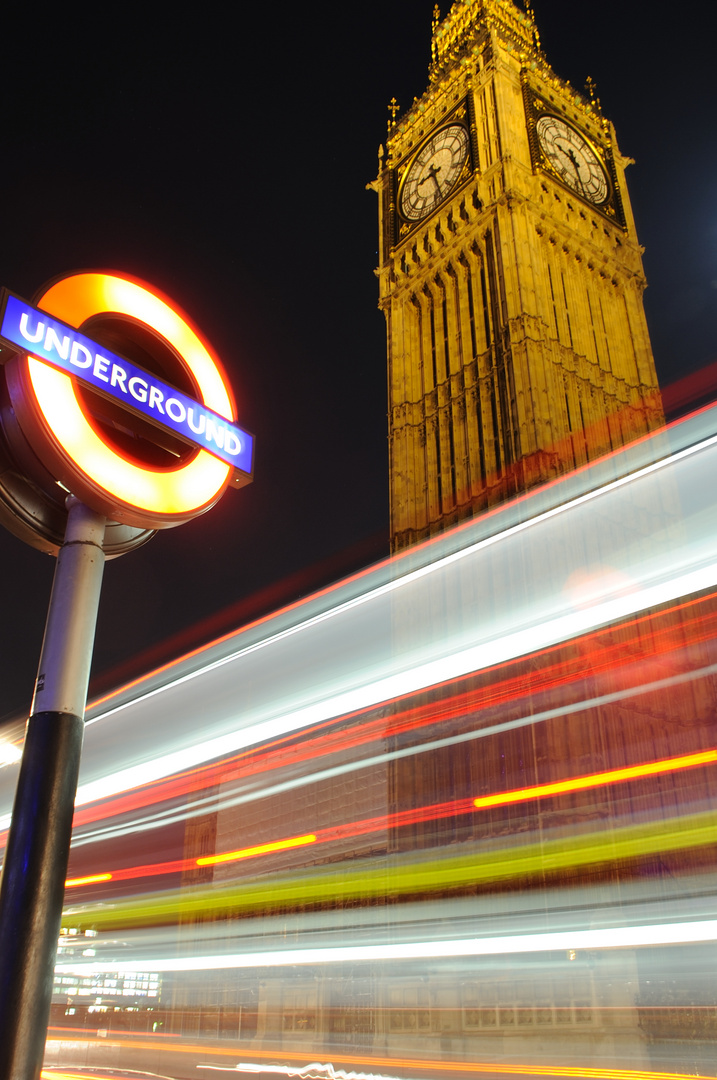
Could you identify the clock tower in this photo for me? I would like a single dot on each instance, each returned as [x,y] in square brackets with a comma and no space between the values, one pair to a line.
[510,277]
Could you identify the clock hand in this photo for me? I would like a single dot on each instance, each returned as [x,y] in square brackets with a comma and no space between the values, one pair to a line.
[433,175]
[576,166]
[569,154]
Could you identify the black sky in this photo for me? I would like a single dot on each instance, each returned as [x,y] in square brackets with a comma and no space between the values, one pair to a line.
[224,158]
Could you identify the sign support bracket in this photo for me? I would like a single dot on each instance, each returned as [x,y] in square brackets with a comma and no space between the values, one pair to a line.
[35,867]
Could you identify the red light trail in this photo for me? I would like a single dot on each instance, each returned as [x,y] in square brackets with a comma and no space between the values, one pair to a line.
[605,655]
[421,814]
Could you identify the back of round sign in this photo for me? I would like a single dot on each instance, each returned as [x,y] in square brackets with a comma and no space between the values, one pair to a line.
[36,513]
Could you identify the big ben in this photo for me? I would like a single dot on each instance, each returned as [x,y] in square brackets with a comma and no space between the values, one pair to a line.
[510,277]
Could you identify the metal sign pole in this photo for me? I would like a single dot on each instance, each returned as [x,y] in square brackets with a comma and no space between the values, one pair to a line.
[35,867]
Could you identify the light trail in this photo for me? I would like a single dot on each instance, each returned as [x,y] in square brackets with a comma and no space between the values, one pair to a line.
[420,677]
[342,882]
[327,711]
[178,866]
[688,433]
[317,1071]
[99,1074]
[259,849]
[490,621]
[398,819]
[91,879]
[314,1071]
[702,626]
[481,699]
[612,776]
[224,801]
[614,937]
[422,673]
[9,753]
[419,1064]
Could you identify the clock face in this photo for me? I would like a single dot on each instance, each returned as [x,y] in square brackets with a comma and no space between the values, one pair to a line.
[434,172]
[573,159]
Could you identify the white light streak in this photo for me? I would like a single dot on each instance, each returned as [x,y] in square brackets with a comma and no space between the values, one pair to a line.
[9,753]
[405,682]
[368,674]
[616,937]
[225,801]
[313,1071]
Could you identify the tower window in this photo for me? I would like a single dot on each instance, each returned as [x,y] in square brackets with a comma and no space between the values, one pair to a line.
[552,297]
[567,312]
[432,322]
[452,444]
[446,352]
[592,325]
[471,312]
[486,316]
[439,477]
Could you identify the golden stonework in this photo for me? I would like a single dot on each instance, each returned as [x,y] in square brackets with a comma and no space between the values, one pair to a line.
[521,359]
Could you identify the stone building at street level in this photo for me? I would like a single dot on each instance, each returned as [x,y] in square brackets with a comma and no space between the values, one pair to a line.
[510,277]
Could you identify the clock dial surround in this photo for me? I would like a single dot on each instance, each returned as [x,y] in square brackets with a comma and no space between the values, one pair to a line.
[573,159]
[434,172]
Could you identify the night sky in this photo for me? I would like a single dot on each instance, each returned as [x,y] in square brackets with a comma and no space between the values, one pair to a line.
[224,159]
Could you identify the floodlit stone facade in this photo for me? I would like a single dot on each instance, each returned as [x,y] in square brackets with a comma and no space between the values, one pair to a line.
[510,277]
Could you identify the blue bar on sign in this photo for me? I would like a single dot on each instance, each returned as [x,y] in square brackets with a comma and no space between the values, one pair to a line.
[37,333]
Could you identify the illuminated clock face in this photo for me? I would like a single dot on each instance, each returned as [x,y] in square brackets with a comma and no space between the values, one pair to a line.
[573,159]
[434,172]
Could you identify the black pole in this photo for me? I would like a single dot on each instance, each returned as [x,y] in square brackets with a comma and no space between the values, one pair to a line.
[35,867]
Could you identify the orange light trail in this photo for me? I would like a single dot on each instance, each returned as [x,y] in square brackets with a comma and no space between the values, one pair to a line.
[422,814]
[72,883]
[694,627]
[178,866]
[613,776]
[474,1067]
[260,849]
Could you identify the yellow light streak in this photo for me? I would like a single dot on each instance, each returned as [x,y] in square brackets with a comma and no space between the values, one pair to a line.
[613,776]
[72,883]
[260,849]
[341,882]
